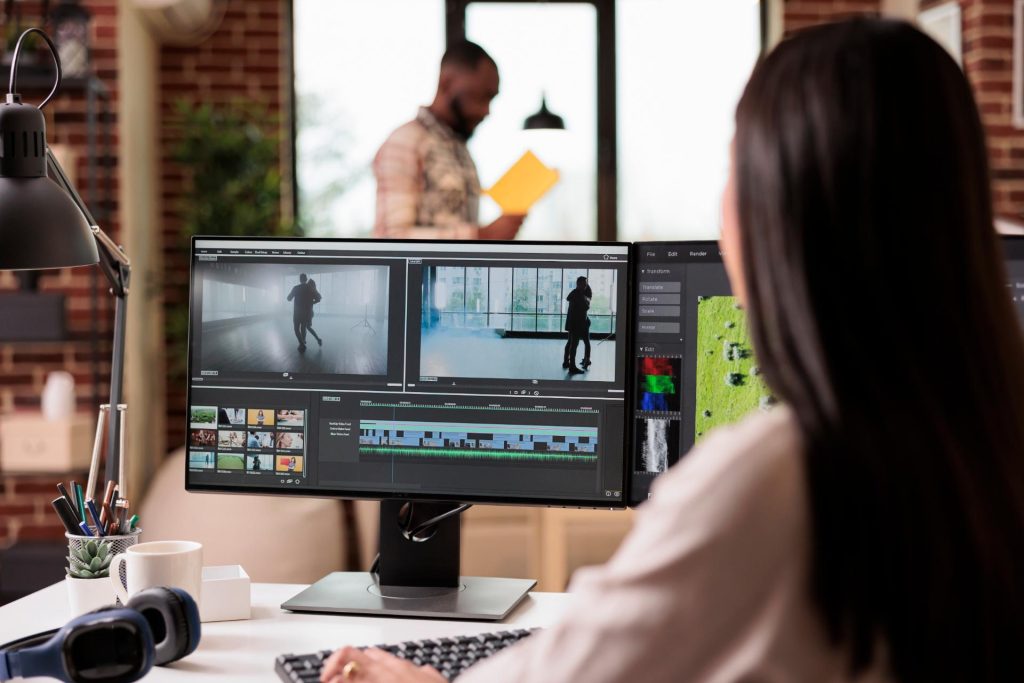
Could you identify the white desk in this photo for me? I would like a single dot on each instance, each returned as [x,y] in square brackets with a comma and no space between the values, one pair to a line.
[233,650]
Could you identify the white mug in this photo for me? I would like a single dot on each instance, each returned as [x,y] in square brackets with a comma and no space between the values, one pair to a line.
[176,564]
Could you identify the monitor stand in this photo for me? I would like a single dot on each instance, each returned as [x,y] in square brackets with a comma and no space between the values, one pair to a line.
[414,577]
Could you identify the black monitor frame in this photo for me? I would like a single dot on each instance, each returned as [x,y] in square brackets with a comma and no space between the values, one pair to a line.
[1013,250]
[399,495]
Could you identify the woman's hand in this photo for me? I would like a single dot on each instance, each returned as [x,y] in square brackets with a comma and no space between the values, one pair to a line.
[352,665]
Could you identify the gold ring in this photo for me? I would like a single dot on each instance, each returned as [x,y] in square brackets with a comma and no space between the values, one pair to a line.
[349,671]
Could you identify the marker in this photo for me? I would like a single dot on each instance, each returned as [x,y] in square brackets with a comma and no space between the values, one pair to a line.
[66,514]
[95,516]
[80,498]
[64,492]
[132,522]
[86,531]
[109,494]
[108,516]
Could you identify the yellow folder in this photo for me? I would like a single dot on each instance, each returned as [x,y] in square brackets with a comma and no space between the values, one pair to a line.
[523,184]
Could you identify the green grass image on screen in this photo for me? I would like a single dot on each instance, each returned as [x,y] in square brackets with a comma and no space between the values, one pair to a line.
[230,462]
[728,386]
[203,416]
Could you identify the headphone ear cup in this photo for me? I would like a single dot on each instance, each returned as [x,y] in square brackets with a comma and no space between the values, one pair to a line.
[174,619]
[190,614]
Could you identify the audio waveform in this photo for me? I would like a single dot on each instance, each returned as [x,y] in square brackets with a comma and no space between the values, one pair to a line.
[478,454]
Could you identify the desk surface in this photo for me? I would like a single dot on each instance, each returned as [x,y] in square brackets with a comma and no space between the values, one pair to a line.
[248,648]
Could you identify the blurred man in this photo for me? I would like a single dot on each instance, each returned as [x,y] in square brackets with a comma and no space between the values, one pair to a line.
[427,185]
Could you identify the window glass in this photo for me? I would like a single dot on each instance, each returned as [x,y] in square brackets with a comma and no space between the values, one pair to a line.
[542,49]
[450,295]
[501,298]
[476,297]
[681,69]
[362,68]
[602,305]
[524,299]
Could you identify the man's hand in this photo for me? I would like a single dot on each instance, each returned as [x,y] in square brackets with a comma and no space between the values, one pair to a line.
[503,228]
[375,666]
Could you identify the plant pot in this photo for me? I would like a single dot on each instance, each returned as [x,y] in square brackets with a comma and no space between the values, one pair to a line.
[85,595]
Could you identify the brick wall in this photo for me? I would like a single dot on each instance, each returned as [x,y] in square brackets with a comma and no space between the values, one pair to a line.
[988,60]
[245,58]
[25,507]
[987,31]
[798,14]
[24,500]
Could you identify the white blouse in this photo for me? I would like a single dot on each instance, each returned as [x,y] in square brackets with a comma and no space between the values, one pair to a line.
[711,585]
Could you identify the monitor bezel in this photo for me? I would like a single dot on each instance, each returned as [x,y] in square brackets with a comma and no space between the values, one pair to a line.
[597,503]
[632,497]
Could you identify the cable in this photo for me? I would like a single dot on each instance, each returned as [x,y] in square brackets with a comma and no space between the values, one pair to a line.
[12,86]
[412,533]
[420,528]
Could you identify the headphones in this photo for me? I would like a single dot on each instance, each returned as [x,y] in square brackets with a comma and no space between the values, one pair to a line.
[111,645]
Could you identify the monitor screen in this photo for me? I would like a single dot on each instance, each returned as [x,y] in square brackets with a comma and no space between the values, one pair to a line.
[695,367]
[400,369]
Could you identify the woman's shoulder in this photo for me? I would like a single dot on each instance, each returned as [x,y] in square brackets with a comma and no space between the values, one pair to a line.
[752,467]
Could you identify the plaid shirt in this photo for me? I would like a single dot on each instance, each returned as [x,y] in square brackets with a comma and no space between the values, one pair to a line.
[427,186]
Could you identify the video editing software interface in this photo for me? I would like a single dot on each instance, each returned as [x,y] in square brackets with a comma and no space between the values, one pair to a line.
[695,366]
[450,370]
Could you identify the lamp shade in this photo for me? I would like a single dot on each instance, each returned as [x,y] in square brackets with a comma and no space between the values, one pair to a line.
[544,119]
[40,227]
[40,224]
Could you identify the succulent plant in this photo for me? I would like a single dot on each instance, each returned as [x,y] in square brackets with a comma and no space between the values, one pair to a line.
[91,561]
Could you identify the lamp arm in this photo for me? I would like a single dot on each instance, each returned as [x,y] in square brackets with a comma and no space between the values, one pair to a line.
[113,260]
[117,268]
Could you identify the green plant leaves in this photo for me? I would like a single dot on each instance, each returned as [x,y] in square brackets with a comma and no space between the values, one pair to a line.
[230,158]
[90,561]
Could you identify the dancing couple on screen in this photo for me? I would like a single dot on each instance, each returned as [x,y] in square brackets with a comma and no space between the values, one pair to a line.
[303,296]
[577,324]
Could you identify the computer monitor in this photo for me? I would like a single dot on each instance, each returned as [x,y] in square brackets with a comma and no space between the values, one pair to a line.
[695,367]
[409,371]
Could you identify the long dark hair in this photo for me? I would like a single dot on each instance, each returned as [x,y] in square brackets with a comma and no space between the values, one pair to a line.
[879,311]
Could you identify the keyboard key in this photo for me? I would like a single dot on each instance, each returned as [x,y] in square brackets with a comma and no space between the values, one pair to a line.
[450,656]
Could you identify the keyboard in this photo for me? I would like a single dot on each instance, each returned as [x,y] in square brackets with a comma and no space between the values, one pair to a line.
[450,656]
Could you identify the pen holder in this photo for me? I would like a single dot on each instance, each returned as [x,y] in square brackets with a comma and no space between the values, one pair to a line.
[118,544]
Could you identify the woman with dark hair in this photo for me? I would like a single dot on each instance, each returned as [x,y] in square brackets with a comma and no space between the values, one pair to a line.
[871,527]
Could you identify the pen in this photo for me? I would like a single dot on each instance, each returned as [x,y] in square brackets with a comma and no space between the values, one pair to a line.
[113,499]
[111,515]
[109,493]
[64,493]
[80,499]
[94,463]
[86,531]
[67,517]
[95,516]
[121,481]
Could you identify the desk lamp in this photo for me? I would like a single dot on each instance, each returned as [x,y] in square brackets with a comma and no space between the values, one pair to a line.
[45,224]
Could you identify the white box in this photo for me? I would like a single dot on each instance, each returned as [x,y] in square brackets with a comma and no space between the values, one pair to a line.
[225,595]
[31,443]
